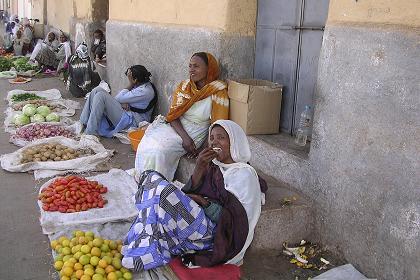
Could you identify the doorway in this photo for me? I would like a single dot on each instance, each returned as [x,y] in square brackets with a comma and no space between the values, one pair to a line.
[288,43]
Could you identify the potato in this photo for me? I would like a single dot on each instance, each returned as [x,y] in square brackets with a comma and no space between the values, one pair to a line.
[65,157]
[44,159]
[57,159]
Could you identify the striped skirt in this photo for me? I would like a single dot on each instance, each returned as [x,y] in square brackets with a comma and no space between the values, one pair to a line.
[169,223]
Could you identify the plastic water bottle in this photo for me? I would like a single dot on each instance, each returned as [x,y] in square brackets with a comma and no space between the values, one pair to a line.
[304,127]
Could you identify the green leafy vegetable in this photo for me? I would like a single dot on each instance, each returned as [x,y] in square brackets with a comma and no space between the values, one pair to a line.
[5,64]
[25,96]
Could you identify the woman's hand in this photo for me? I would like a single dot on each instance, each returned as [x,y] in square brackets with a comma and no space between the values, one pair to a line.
[200,200]
[189,146]
[205,157]
[125,106]
[202,163]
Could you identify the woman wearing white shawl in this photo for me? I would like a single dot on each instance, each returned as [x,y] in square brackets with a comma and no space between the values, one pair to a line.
[53,54]
[240,178]
[211,220]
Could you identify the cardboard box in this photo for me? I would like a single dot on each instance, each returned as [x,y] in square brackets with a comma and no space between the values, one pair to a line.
[255,105]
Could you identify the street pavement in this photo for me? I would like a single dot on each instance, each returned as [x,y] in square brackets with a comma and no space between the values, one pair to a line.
[24,251]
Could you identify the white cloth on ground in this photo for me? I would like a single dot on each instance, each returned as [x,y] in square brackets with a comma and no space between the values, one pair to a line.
[161,147]
[241,179]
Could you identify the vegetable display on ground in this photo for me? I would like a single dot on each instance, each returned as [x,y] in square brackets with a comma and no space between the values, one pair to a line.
[43,130]
[38,102]
[22,64]
[52,152]
[36,115]
[87,256]
[25,96]
[72,194]
[5,64]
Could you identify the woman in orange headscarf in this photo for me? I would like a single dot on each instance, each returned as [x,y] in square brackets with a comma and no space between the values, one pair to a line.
[196,103]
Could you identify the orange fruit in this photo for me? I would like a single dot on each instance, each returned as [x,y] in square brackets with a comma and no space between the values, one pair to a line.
[102,263]
[109,269]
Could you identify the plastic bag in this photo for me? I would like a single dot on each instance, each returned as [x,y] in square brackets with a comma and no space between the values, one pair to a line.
[8,75]
[344,272]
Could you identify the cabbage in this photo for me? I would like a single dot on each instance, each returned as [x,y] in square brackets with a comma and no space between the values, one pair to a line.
[53,117]
[37,118]
[21,119]
[43,110]
[29,110]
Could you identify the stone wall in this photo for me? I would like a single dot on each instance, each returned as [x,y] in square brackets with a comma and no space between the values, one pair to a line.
[165,51]
[233,16]
[365,151]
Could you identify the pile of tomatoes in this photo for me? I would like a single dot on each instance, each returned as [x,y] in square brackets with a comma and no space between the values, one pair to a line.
[72,194]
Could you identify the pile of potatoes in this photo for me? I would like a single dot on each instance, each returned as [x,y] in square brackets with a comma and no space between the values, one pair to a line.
[52,152]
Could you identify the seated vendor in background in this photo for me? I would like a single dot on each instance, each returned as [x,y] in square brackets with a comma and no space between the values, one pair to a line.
[105,115]
[81,79]
[99,45]
[51,54]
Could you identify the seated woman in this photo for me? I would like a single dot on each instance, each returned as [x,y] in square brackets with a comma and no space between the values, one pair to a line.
[81,79]
[50,55]
[17,46]
[211,220]
[105,115]
[9,36]
[196,103]
[49,42]
[99,45]
[28,35]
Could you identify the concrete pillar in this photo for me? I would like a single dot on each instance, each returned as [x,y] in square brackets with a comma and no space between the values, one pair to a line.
[365,153]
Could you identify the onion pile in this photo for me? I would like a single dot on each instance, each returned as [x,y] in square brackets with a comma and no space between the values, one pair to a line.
[42,130]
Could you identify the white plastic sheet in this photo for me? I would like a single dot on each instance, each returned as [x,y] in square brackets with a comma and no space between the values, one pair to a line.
[11,162]
[120,206]
[8,74]
[344,272]
[50,94]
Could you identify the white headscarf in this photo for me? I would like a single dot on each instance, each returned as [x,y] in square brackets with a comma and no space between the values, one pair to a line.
[239,146]
[82,51]
[25,21]
[241,179]
[14,18]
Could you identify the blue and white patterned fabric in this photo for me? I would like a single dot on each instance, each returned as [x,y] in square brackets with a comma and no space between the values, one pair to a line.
[169,223]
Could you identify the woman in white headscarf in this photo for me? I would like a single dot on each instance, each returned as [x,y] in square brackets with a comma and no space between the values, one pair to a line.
[211,220]
[28,35]
[53,56]
[81,79]
[49,42]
